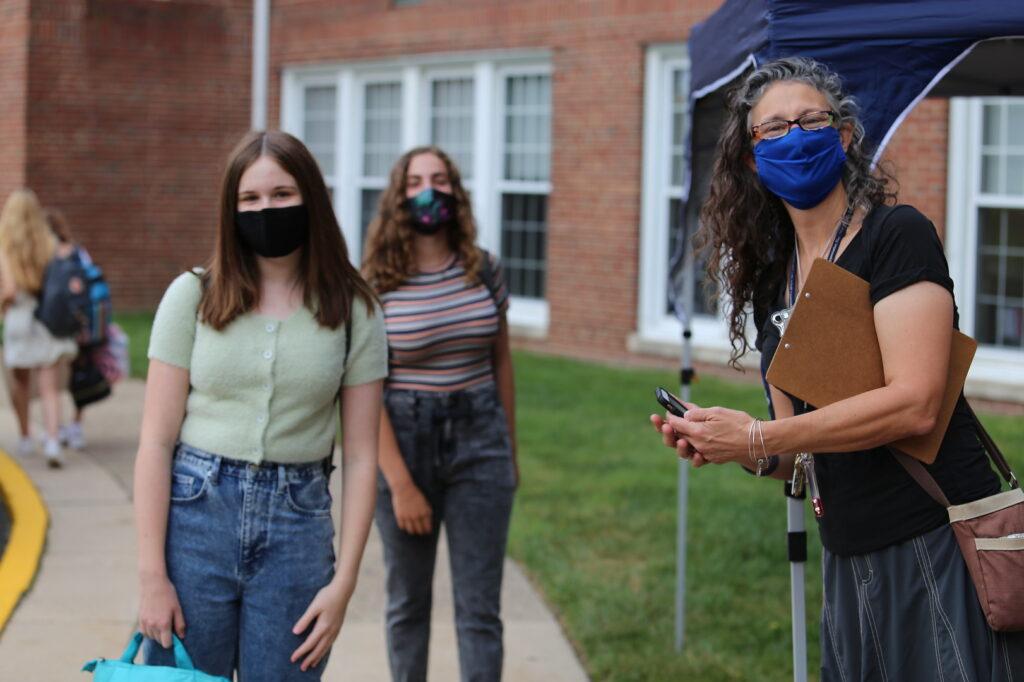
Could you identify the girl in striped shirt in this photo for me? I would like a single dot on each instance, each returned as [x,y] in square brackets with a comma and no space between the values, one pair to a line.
[447,436]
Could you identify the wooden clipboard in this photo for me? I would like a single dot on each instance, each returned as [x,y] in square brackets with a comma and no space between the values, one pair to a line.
[830,351]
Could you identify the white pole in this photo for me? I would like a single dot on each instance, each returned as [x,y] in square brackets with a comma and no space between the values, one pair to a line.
[797,562]
[683,487]
[685,379]
[260,62]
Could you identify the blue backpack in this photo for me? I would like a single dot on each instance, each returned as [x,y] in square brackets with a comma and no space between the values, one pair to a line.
[75,300]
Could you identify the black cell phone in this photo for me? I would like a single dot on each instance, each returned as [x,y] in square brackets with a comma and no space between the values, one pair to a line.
[670,402]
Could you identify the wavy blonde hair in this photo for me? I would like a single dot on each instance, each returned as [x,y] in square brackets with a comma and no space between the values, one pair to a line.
[26,241]
[388,259]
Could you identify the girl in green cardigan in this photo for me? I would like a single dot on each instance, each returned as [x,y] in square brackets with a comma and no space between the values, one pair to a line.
[248,360]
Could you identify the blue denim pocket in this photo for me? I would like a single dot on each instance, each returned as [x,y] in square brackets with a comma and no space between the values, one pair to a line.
[309,495]
[190,478]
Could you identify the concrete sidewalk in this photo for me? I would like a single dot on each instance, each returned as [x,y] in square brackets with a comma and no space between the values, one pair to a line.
[83,603]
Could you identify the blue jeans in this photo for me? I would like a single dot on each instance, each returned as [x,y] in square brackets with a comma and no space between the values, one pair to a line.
[457,449]
[248,547]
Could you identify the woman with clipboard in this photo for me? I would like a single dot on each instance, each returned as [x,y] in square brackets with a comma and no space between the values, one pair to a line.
[793,182]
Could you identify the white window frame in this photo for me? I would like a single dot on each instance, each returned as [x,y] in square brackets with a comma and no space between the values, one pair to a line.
[996,373]
[659,331]
[489,71]
[532,309]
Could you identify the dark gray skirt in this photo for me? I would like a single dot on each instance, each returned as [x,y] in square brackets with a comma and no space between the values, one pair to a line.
[909,613]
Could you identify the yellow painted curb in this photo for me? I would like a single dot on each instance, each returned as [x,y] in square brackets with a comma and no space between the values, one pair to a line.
[29,522]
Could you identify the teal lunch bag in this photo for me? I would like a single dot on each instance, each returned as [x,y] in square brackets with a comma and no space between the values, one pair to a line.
[124,670]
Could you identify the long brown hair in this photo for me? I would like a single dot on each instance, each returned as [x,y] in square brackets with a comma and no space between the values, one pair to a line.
[746,233]
[231,283]
[25,240]
[58,224]
[389,259]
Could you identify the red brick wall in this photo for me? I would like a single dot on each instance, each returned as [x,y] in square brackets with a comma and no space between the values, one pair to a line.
[133,107]
[598,51]
[13,69]
[918,157]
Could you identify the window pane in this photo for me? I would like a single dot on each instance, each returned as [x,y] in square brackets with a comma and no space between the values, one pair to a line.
[992,122]
[451,121]
[319,107]
[990,174]
[700,293]
[1015,229]
[1014,174]
[985,324]
[999,302]
[528,128]
[678,124]
[367,210]
[1011,327]
[989,226]
[1014,277]
[988,275]
[382,128]
[524,243]
[1015,124]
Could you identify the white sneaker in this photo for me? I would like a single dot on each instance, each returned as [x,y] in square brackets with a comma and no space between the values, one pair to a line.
[52,452]
[71,435]
[26,447]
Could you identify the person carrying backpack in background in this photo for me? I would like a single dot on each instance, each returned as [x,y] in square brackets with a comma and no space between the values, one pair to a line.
[91,378]
[26,248]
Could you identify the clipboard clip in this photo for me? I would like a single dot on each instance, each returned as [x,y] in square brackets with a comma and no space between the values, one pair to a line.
[781,320]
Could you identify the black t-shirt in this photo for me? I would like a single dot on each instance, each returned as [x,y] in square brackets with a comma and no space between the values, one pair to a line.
[870,501]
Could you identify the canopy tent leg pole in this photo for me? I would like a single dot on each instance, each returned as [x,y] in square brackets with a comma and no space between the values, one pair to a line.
[797,550]
[685,379]
[686,376]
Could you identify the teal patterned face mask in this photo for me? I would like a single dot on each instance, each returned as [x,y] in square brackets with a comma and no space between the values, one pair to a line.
[431,210]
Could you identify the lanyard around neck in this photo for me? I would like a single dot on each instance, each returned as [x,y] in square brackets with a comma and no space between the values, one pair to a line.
[833,250]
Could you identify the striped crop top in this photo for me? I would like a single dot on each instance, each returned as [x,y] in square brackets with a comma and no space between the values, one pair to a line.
[441,329]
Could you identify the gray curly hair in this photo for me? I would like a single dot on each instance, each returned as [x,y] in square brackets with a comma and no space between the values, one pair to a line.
[861,183]
[745,233]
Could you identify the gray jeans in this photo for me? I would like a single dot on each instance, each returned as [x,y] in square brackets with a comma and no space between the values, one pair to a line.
[457,449]
[909,613]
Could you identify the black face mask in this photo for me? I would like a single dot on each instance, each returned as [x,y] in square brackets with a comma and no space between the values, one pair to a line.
[431,210]
[274,232]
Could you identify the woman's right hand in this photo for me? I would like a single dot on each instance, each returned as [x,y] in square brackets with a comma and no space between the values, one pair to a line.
[160,611]
[412,511]
[673,440]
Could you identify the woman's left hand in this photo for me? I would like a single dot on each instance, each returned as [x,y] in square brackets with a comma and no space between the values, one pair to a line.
[326,613]
[719,434]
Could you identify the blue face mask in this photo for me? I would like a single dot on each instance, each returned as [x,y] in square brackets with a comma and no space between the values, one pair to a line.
[802,167]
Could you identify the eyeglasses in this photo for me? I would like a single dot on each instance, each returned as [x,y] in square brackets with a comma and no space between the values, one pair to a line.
[779,127]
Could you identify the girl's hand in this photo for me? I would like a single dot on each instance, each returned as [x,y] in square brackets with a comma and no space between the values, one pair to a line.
[672,439]
[719,434]
[160,611]
[325,613]
[412,511]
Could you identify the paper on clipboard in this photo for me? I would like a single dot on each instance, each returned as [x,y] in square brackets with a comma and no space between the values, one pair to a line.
[830,351]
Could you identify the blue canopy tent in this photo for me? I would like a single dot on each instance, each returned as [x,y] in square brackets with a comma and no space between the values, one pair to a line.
[890,55]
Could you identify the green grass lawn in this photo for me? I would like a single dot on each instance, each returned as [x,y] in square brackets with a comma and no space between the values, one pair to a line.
[595,526]
[137,326]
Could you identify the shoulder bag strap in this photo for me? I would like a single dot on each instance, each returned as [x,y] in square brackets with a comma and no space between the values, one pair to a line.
[925,479]
[486,273]
[921,475]
[994,453]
